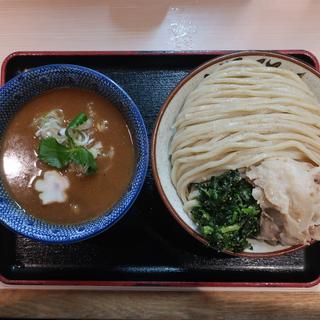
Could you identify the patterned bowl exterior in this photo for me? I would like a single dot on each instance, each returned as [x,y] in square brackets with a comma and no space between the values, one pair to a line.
[29,84]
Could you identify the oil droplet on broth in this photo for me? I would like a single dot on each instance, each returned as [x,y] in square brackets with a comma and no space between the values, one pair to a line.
[74,208]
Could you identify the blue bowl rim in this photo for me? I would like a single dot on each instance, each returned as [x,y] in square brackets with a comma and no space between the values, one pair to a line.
[144,162]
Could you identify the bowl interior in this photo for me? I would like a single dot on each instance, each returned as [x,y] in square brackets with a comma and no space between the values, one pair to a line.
[164,131]
[29,84]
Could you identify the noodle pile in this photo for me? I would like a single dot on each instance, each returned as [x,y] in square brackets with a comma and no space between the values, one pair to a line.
[238,116]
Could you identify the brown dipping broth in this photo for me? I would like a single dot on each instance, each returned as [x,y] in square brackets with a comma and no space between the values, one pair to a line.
[88,196]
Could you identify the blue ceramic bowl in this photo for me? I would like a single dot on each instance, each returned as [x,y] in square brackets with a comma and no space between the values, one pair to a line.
[29,84]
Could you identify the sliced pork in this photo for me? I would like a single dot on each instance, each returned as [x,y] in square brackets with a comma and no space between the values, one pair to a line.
[288,192]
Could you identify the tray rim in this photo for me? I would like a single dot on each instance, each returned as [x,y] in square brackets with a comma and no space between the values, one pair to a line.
[181,284]
[90,53]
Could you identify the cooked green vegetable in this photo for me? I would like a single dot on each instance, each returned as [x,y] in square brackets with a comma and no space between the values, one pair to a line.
[84,158]
[60,156]
[227,214]
[74,123]
[53,153]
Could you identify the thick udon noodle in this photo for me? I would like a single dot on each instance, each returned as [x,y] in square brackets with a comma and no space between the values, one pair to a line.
[239,115]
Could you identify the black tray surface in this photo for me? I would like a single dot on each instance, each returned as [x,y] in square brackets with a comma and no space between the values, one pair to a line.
[148,244]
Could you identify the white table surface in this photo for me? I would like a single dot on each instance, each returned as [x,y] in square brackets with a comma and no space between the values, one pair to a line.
[159,25]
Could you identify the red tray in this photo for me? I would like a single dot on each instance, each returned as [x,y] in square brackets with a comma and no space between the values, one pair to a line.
[148,247]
